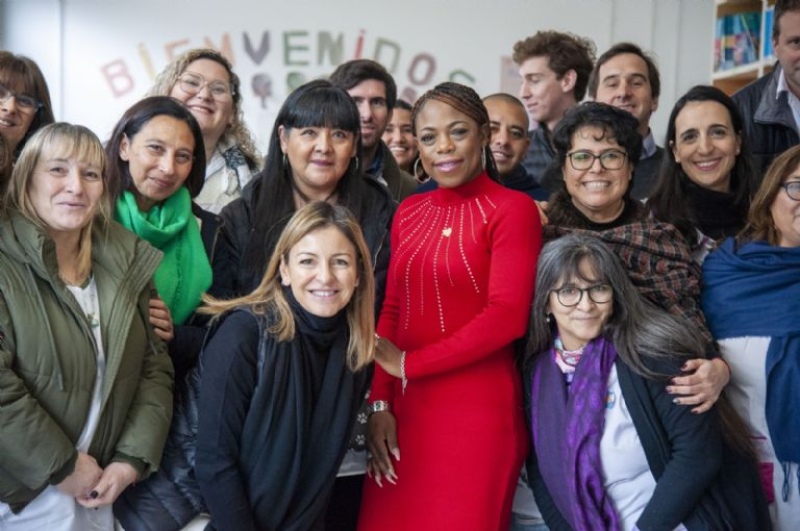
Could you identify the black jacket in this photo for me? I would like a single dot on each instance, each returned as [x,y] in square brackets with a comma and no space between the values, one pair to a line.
[185,345]
[768,121]
[734,499]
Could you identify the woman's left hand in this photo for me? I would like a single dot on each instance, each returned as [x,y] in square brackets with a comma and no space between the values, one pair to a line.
[161,320]
[116,478]
[702,385]
[388,356]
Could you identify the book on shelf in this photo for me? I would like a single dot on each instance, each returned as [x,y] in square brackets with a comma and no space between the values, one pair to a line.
[737,40]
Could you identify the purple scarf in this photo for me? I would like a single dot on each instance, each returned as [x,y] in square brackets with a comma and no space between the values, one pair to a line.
[567,425]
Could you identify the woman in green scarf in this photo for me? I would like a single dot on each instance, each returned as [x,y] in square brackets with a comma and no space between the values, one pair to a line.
[156,166]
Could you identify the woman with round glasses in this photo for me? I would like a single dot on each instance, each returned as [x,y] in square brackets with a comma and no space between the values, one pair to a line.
[751,297]
[596,148]
[204,80]
[24,100]
[611,450]
[705,187]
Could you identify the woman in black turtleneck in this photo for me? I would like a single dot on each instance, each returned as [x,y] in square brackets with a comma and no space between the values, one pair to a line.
[262,423]
[705,187]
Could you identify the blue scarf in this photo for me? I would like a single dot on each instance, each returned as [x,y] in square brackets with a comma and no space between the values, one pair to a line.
[755,291]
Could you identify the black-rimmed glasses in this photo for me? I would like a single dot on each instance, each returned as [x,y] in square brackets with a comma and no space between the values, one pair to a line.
[26,103]
[792,190]
[613,159]
[192,84]
[571,295]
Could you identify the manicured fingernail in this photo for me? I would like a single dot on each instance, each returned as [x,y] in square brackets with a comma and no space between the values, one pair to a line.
[676,400]
[94,494]
[396,454]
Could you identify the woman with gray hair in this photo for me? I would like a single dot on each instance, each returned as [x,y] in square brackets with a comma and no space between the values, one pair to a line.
[203,79]
[611,449]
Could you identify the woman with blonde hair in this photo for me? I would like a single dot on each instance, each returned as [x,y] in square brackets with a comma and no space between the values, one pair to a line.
[87,388]
[266,418]
[203,79]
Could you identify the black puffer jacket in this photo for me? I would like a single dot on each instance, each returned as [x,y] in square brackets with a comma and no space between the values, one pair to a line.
[768,122]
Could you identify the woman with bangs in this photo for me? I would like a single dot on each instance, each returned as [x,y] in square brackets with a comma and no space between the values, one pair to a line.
[313,155]
[86,396]
[24,100]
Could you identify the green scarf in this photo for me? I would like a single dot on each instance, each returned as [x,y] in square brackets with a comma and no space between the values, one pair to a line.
[185,272]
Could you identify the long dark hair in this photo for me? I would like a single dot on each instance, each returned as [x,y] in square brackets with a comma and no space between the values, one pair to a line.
[639,330]
[668,200]
[134,119]
[315,104]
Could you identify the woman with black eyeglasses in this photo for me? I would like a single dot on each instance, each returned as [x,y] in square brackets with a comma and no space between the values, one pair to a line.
[751,296]
[597,147]
[611,449]
[203,79]
[24,100]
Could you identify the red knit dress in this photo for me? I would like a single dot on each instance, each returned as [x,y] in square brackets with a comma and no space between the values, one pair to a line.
[458,294]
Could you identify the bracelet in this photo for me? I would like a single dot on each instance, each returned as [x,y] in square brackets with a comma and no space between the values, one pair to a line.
[403,378]
[378,405]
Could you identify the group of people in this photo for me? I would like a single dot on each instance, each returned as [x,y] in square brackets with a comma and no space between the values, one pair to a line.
[562,326]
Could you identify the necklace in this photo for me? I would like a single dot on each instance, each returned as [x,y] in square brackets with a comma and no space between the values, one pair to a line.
[571,358]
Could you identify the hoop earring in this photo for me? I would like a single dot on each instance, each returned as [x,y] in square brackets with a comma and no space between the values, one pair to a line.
[483,158]
[419,171]
[355,167]
[285,164]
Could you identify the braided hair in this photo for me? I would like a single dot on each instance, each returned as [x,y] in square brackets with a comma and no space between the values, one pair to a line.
[466,101]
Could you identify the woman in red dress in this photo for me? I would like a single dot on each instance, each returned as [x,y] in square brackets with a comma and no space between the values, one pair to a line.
[446,392]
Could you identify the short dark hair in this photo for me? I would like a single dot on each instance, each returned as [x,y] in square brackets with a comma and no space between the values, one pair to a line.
[348,75]
[619,49]
[565,52]
[781,8]
[668,201]
[403,104]
[616,124]
[508,98]
[134,119]
[22,74]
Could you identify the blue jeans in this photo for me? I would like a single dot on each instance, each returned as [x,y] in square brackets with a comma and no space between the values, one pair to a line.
[522,523]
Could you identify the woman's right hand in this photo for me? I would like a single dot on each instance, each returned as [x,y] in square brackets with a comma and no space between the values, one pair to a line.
[83,479]
[161,320]
[382,447]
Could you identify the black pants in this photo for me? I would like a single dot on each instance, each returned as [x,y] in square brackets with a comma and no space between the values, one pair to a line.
[345,502]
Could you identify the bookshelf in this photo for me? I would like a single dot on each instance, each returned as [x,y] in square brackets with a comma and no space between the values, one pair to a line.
[742,42]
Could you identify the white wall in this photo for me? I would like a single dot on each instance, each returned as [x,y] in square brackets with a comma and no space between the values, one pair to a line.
[99,56]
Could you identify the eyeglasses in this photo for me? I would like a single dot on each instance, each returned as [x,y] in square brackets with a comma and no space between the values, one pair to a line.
[571,296]
[612,159]
[26,103]
[192,84]
[792,190]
